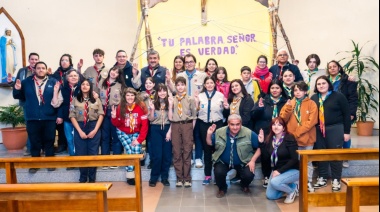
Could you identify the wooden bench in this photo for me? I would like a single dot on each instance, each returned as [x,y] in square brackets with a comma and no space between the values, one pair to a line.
[57,191]
[359,189]
[114,204]
[332,198]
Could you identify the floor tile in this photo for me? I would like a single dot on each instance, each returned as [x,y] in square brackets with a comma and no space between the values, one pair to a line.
[192,202]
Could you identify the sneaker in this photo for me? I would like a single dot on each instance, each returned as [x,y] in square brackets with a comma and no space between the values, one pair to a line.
[131,181]
[207,180]
[114,167]
[321,182]
[310,187]
[165,182]
[291,197]
[198,163]
[149,166]
[265,183]
[246,190]
[235,180]
[179,183]
[51,169]
[105,167]
[335,184]
[33,170]
[152,184]
[187,184]
[192,162]
[346,164]
[220,194]
[27,153]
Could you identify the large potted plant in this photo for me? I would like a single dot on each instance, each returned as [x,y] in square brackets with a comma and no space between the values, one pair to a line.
[361,66]
[15,137]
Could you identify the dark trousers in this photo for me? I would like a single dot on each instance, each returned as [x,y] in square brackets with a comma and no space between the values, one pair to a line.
[109,137]
[197,142]
[62,142]
[160,153]
[265,166]
[182,141]
[89,146]
[41,133]
[220,172]
[334,140]
[207,150]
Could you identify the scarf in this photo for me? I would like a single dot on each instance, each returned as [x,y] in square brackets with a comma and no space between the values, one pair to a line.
[72,92]
[232,140]
[322,113]
[260,71]
[179,106]
[152,69]
[162,111]
[310,74]
[297,110]
[108,94]
[234,104]
[276,143]
[287,90]
[337,78]
[209,104]
[275,109]
[132,120]
[98,73]
[190,77]
[62,74]
[40,93]
[86,114]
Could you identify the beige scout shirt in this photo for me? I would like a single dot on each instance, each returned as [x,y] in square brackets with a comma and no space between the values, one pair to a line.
[160,116]
[115,94]
[96,109]
[216,109]
[196,83]
[189,110]
[91,74]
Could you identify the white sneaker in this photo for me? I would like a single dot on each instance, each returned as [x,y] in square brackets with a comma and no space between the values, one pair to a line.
[346,164]
[321,182]
[198,163]
[310,187]
[192,162]
[291,197]
[105,167]
[266,181]
[335,184]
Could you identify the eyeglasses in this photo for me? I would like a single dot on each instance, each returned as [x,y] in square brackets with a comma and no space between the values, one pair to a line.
[282,55]
[189,62]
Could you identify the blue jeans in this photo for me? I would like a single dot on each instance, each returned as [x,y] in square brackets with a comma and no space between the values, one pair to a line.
[347,145]
[285,182]
[160,153]
[197,142]
[69,133]
[109,137]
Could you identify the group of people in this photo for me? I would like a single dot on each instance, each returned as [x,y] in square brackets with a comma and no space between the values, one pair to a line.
[267,114]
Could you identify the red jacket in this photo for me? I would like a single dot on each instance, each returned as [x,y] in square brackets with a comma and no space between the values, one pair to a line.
[140,120]
[223,88]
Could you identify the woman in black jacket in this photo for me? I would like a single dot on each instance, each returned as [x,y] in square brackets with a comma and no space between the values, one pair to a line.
[280,149]
[240,102]
[264,111]
[348,88]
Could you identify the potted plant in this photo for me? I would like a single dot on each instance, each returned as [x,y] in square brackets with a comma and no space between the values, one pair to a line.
[361,66]
[15,137]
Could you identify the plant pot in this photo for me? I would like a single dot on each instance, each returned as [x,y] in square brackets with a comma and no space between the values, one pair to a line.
[14,138]
[365,128]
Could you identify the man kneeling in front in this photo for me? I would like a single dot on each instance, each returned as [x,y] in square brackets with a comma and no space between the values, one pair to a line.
[236,147]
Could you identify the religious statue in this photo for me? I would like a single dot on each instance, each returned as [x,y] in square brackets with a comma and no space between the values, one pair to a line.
[8,55]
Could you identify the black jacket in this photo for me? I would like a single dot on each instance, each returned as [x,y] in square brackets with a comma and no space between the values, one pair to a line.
[276,72]
[262,116]
[286,152]
[245,108]
[349,90]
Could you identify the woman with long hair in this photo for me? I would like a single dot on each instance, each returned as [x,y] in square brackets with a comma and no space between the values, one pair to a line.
[86,116]
[131,120]
[264,111]
[161,147]
[211,66]
[110,95]
[280,148]
[221,80]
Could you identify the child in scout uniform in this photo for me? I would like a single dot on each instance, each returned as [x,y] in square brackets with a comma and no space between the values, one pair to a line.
[183,121]
[86,116]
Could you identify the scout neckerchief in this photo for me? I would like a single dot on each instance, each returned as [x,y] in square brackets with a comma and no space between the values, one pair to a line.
[72,92]
[297,110]
[151,94]
[322,113]
[132,119]
[40,94]
[162,112]
[152,70]
[108,93]
[179,106]
[232,140]
[337,78]
[190,77]
[287,90]
[98,73]
[310,74]
[276,143]
[209,104]
[275,109]
[234,104]
[86,115]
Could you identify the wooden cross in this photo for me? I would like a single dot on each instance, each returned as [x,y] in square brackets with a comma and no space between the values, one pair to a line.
[203,14]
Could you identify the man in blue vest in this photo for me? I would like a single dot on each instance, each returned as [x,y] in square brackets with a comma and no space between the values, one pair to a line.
[236,147]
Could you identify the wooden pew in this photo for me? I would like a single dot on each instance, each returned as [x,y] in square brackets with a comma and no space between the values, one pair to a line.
[57,191]
[114,204]
[333,198]
[359,189]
